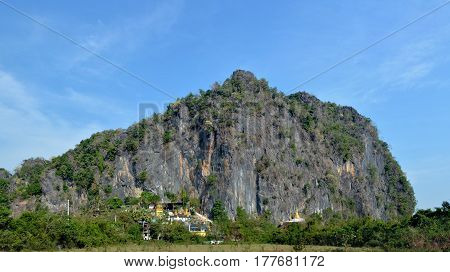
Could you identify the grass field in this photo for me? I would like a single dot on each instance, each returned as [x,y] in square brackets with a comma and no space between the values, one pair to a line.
[166,247]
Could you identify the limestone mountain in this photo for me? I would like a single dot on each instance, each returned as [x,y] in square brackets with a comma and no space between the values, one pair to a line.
[243,143]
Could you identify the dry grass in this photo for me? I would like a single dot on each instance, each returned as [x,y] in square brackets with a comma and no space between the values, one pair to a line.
[165,247]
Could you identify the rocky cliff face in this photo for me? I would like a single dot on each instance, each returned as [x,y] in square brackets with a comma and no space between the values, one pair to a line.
[243,143]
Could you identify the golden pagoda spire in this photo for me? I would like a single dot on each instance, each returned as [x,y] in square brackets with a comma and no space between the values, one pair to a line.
[297,215]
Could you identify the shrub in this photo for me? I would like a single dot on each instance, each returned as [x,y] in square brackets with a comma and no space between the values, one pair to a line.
[149,198]
[293,147]
[5,216]
[308,123]
[114,203]
[345,143]
[298,161]
[112,151]
[31,171]
[131,201]
[211,180]
[4,188]
[131,145]
[5,211]
[171,196]
[33,189]
[184,197]
[373,175]
[142,177]
[262,164]
[194,203]
[84,178]
[44,231]
[168,136]
[100,162]
[107,189]
[64,168]
[306,188]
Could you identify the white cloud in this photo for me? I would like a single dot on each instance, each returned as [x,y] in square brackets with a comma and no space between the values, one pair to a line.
[124,35]
[416,72]
[30,128]
[404,68]
[28,131]
[411,64]
[12,91]
[90,103]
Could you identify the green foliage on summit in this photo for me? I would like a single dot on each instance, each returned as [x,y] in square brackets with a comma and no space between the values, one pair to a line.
[31,171]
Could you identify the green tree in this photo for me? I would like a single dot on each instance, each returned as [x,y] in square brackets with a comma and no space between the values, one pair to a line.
[33,189]
[131,201]
[31,171]
[149,198]
[5,216]
[5,211]
[194,203]
[184,197]
[218,212]
[84,177]
[112,151]
[171,196]
[63,167]
[176,232]
[114,203]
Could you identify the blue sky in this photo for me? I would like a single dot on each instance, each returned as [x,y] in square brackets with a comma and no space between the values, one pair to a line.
[52,94]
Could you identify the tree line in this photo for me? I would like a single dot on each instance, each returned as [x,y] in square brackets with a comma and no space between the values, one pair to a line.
[41,230]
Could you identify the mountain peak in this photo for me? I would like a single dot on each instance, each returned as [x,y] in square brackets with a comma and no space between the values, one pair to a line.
[243,144]
[243,75]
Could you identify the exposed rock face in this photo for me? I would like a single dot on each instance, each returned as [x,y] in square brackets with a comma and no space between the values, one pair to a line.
[245,144]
